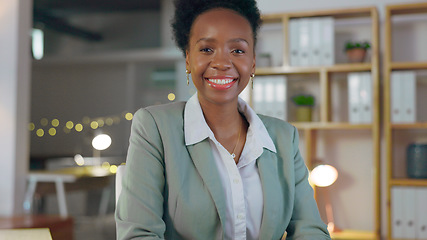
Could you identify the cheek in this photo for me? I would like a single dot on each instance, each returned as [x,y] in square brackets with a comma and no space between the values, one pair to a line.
[199,63]
[245,66]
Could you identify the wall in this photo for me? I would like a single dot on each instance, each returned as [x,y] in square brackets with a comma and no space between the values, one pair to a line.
[133,30]
[15,20]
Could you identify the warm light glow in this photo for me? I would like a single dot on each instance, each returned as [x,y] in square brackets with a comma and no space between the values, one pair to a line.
[79,127]
[113,168]
[44,122]
[323,175]
[79,160]
[171,96]
[94,125]
[40,132]
[101,142]
[52,131]
[129,116]
[37,43]
[55,122]
[31,126]
[105,165]
[109,121]
[69,125]
[100,123]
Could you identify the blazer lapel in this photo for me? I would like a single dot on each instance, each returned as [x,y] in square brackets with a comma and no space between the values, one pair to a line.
[201,154]
[275,201]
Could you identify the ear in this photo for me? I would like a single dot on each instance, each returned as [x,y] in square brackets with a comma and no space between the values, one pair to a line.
[187,60]
[254,64]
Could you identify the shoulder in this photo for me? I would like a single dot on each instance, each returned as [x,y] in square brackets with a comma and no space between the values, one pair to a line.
[163,112]
[277,127]
[167,119]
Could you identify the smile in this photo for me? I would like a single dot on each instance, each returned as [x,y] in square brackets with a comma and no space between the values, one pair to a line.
[221,83]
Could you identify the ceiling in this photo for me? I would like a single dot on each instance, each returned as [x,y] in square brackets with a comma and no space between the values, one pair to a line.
[84,6]
[53,14]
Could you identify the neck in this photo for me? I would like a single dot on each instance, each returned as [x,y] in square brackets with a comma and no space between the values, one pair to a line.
[221,118]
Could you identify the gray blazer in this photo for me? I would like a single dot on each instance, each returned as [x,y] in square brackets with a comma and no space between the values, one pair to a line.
[173,191]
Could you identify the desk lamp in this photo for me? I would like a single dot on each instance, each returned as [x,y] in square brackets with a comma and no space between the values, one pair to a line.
[100,142]
[324,175]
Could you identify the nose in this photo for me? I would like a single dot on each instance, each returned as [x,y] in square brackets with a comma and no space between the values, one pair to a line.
[221,60]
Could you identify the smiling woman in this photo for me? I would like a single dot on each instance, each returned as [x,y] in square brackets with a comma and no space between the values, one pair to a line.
[220,56]
[211,168]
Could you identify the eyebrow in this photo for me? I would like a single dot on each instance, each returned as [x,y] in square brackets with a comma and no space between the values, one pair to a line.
[231,40]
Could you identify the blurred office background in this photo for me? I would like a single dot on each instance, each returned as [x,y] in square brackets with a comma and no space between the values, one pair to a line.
[101,61]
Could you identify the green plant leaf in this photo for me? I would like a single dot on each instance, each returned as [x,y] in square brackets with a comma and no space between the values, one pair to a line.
[303,100]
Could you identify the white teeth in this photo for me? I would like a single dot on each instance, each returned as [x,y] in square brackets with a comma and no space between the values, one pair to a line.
[220,81]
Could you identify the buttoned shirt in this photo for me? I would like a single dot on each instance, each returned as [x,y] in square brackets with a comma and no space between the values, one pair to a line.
[241,182]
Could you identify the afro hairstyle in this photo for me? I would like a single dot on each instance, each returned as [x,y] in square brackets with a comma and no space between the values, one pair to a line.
[186,11]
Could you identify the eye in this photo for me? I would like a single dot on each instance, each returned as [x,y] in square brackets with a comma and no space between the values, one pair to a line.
[206,50]
[238,51]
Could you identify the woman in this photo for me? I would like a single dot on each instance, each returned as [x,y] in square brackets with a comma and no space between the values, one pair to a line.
[211,168]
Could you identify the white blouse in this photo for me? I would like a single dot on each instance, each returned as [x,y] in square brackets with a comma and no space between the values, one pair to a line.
[241,182]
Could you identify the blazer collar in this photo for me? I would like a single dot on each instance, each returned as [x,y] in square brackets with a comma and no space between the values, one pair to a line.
[275,201]
[201,154]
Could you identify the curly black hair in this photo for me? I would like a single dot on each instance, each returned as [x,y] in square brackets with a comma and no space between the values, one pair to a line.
[186,12]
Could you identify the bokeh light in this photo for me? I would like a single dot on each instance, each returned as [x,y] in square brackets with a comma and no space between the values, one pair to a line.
[79,127]
[44,122]
[55,122]
[52,131]
[94,124]
[100,123]
[101,142]
[129,116]
[69,125]
[31,126]
[40,132]
[109,121]
[171,96]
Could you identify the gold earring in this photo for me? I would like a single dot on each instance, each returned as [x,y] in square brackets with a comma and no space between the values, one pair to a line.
[252,80]
[188,76]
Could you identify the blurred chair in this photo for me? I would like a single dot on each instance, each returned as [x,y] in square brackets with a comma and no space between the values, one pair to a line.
[121,170]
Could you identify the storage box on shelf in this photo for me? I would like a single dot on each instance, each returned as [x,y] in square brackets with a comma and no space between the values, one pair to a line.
[405,121]
[276,60]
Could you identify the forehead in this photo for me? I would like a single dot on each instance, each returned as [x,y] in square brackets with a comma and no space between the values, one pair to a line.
[221,22]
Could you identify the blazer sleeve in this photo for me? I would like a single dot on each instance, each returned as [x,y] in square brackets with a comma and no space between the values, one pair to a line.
[140,205]
[305,222]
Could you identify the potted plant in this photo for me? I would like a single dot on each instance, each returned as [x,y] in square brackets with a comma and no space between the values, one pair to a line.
[305,104]
[356,51]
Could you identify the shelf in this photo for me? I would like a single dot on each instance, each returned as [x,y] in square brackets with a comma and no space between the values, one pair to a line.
[417,125]
[353,235]
[408,65]
[330,125]
[339,13]
[132,55]
[347,67]
[408,182]
[410,8]
[324,82]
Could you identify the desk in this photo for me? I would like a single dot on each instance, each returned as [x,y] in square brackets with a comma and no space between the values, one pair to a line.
[60,228]
[24,234]
[67,179]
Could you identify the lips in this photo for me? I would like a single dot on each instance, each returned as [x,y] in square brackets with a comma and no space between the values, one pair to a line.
[221,83]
